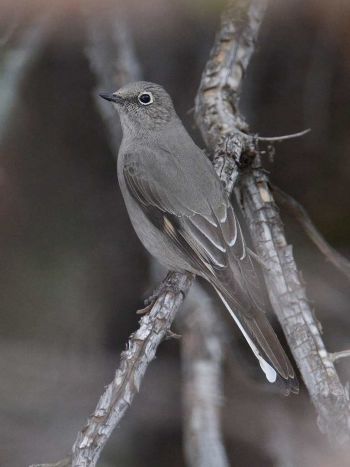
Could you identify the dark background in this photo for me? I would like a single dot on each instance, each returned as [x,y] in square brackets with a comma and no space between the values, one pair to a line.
[72,272]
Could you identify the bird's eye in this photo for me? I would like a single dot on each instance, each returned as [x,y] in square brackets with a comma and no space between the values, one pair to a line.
[145,98]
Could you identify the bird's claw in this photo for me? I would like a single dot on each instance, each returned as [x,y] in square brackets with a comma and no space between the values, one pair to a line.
[172,335]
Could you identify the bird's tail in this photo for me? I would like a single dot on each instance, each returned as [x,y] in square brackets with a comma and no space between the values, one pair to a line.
[264,343]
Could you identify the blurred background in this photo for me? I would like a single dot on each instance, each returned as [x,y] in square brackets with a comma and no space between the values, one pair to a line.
[72,272]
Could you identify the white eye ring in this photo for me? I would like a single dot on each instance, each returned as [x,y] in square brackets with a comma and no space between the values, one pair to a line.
[145,98]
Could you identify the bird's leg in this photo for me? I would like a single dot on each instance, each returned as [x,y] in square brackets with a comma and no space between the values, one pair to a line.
[169,284]
[150,301]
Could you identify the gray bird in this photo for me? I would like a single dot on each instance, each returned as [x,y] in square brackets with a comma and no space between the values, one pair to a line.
[184,218]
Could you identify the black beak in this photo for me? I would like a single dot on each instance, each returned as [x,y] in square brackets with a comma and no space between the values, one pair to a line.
[112,97]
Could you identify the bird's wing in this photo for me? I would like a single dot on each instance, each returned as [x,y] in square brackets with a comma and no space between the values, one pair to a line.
[202,226]
[200,221]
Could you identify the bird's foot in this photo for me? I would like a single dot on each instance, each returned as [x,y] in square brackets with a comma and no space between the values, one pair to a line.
[169,284]
[151,300]
[172,335]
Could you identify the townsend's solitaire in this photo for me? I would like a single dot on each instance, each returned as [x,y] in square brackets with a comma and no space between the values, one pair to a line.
[184,218]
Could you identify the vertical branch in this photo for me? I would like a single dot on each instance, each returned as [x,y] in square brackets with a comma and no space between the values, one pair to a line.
[202,355]
[233,149]
[217,101]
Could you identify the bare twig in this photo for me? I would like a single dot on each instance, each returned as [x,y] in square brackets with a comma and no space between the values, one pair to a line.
[202,354]
[279,139]
[217,106]
[66,462]
[339,355]
[299,212]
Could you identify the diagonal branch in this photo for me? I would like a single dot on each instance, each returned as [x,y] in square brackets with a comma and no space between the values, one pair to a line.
[300,214]
[141,350]
[134,361]
[221,124]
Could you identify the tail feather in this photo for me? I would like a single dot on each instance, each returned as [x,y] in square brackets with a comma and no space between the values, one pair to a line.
[265,345]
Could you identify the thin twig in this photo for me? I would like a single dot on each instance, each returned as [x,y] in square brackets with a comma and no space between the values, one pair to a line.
[300,214]
[278,139]
[66,462]
[338,355]
[216,112]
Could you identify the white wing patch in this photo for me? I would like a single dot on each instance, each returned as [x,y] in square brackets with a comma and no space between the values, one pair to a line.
[233,240]
[270,373]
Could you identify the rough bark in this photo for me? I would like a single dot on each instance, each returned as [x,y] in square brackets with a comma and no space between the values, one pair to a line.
[235,153]
[141,350]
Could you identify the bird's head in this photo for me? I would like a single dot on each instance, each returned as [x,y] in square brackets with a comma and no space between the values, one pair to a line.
[142,105]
